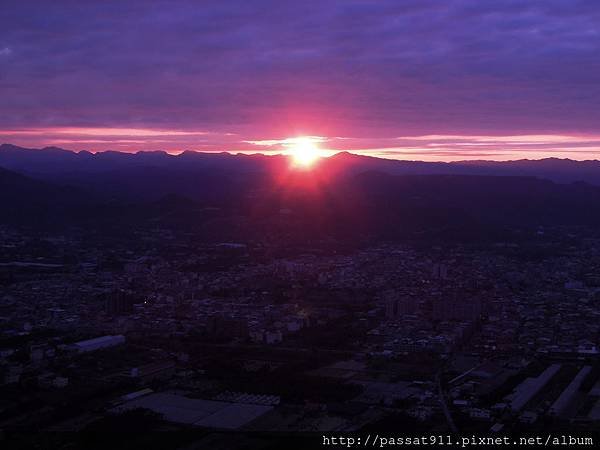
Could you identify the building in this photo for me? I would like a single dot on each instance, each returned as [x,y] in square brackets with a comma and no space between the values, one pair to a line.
[98,343]
[397,307]
[223,326]
[457,309]
[440,271]
[530,387]
[567,397]
[159,370]
[118,302]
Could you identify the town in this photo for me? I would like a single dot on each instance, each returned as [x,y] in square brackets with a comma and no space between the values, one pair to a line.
[258,335]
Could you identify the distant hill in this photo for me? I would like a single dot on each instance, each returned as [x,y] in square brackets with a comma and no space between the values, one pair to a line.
[61,165]
[554,169]
[224,196]
[53,160]
[28,200]
[387,204]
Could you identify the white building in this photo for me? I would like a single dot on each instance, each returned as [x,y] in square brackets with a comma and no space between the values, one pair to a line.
[98,343]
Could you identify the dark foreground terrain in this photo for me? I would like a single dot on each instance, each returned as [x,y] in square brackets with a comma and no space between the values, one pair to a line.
[234,302]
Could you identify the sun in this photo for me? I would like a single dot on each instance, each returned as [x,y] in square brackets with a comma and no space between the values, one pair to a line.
[304,151]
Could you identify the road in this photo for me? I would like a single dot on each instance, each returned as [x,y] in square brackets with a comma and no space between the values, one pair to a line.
[444,404]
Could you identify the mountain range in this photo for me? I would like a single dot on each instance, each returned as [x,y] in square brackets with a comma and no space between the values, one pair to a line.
[257,195]
[53,161]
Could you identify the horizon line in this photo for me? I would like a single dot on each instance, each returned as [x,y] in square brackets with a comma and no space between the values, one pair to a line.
[359,153]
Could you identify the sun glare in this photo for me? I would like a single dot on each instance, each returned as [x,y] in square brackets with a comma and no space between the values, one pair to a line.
[304,151]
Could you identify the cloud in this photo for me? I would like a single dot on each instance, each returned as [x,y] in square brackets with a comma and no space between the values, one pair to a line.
[267,70]
[424,147]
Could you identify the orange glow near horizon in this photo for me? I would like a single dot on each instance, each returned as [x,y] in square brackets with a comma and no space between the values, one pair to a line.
[306,149]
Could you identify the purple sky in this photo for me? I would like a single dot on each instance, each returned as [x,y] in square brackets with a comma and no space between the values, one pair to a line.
[408,79]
